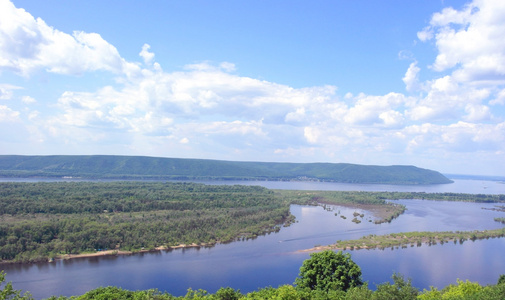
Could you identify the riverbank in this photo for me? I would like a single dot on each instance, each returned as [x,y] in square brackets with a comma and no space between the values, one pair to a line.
[114,252]
[410,239]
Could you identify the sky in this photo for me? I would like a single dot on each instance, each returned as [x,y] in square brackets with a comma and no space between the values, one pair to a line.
[368,82]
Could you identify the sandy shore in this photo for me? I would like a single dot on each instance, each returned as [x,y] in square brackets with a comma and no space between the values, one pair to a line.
[123,252]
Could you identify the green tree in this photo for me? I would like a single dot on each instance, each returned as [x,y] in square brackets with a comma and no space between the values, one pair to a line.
[8,292]
[401,289]
[328,271]
[501,279]
[228,294]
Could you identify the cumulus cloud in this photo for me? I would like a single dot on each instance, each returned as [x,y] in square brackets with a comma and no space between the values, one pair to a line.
[376,110]
[146,55]
[499,98]
[471,40]
[446,99]
[411,78]
[28,44]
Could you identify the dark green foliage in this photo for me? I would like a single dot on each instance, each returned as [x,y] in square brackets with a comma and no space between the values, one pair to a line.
[109,293]
[501,279]
[478,198]
[379,198]
[327,270]
[128,196]
[284,292]
[401,289]
[42,220]
[136,167]
[501,220]
[359,293]
[228,294]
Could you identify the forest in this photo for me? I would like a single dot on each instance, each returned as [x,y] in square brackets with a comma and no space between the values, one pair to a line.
[141,168]
[47,220]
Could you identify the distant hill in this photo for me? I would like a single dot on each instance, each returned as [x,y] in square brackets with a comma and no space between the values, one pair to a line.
[141,167]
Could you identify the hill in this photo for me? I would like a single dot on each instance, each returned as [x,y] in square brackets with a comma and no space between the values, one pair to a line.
[141,167]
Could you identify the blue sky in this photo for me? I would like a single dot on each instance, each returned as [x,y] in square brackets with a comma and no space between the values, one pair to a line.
[369,82]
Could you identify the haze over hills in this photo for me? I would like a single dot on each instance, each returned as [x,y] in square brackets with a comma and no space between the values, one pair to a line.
[141,167]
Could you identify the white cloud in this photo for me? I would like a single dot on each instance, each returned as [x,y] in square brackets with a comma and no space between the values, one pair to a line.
[470,40]
[146,55]
[312,134]
[6,91]
[477,113]
[425,35]
[231,128]
[392,118]
[458,137]
[28,100]
[28,44]
[297,116]
[499,98]
[369,109]
[5,94]
[227,66]
[446,99]
[411,78]
[471,51]
[8,115]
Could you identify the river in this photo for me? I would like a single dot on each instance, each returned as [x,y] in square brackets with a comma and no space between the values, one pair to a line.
[273,260]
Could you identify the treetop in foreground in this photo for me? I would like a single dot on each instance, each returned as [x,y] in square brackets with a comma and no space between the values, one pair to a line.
[327,271]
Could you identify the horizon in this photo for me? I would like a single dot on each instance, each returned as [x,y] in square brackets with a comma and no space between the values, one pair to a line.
[368,83]
[448,175]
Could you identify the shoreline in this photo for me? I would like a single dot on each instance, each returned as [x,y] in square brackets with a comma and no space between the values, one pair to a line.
[114,252]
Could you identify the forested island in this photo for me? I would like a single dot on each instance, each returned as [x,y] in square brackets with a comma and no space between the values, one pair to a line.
[141,168]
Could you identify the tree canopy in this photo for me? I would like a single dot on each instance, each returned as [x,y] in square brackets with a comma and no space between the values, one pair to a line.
[327,271]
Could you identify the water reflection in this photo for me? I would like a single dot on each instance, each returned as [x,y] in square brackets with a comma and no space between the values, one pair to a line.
[437,265]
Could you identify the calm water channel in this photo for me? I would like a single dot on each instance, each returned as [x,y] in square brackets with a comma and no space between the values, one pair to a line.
[273,260]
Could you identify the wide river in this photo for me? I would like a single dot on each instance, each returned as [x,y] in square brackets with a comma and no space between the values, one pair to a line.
[273,260]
